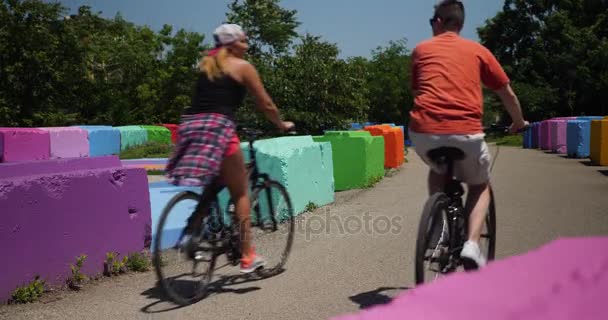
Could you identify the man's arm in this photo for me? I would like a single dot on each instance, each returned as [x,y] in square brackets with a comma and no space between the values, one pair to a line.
[511,103]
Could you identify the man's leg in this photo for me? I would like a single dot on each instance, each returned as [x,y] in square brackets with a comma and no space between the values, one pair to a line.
[478,201]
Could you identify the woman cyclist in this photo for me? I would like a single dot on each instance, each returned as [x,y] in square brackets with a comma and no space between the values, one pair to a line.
[208,146]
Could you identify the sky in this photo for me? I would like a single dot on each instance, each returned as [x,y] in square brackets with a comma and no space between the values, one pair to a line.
[356,26]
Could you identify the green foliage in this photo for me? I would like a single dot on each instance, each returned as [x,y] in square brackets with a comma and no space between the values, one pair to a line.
[30,293]
[138,262]
[310,207]
[555,52]
[507,140]
[114,266]
[151,149]
[372,182]
[77,277]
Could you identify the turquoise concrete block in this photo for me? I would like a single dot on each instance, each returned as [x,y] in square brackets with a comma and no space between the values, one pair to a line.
[132,136]
[303,166]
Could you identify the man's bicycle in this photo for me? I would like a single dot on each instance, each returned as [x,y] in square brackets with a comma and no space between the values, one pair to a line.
[211,233]
[443,227]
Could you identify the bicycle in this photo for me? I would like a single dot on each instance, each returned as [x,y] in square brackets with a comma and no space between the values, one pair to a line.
[446,207]
[207,236]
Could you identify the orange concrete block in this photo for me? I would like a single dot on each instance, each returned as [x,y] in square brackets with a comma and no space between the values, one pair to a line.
[599,142]
[393,144]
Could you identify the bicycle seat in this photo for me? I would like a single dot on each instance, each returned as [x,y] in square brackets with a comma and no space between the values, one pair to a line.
[447,153]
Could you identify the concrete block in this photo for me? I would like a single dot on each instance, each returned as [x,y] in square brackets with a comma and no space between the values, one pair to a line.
[527,141]
[558,130]
[48,220]
[356,126]
[173,129]
[394,146]
[545,135]
[132,136]
[358,158]
[158,134]
[68,142]
[29,168]
[599,142]
[23,144]
[534,135]
[103,140]
[578,138]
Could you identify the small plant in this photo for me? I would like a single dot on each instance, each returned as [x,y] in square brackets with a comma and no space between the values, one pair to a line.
[310,207]
[114,266]
[138,262]
[30,293]
[77,278]
[372,182]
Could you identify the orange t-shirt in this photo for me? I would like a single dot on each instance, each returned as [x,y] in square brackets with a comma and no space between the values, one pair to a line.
[447,73]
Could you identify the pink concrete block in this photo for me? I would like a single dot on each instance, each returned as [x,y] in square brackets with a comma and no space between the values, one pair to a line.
[48,220]
[68,142]
[558,129]
[22,144]
[545,135]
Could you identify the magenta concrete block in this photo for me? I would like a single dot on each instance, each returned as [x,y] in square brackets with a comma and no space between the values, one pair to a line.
[528,286]
[48,220]
[558,129]
[22,144]
[28,168]
[545,135]
[68,142]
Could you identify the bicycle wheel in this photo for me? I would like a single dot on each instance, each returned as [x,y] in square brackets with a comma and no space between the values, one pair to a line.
[433,238]
[488,236]
[272,225]
[178,254]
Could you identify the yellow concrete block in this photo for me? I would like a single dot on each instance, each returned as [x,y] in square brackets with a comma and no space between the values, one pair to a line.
[599,142]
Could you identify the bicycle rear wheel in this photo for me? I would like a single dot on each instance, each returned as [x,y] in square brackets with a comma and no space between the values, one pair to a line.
[432,243]
[272,225]
[488,236]
[175,250]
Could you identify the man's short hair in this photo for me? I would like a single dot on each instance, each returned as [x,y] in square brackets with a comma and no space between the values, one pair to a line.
[451,13]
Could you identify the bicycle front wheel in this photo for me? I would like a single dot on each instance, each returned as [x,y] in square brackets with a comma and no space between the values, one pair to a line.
[178,253]
[272,225]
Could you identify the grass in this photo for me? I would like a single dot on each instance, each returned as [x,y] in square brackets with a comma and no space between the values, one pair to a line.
[149,150]
[156,172]
[507,140]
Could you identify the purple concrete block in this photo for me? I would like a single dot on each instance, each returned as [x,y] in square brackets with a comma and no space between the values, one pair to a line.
[48,220]
[22,144]
[545,136]
[68,142]
[536,135]
[29,168]
[559,132]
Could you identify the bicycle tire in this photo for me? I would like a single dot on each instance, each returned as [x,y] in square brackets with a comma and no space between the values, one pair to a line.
[286,222]
[491,226]
[201,288]
[438,201]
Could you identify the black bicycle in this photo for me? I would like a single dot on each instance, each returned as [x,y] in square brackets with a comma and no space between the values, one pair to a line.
[210,233]
[443,227]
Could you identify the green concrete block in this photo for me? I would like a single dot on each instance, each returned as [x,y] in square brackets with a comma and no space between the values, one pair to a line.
[358,158]
[302,165]
[158,134]
[132,136]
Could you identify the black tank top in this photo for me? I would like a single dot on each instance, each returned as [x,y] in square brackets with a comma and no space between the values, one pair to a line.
[222,95]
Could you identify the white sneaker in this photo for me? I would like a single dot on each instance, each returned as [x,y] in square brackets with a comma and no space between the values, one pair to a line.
[471,255]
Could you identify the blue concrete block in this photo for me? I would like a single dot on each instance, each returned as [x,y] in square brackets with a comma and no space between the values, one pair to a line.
[103,140]
[132,136]
[390,124]
[160,194]
[534,133]
[366,124]
[578,138]
[356,126]
[527,143]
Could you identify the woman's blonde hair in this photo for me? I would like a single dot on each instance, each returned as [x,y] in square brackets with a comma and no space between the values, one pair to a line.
[213,66]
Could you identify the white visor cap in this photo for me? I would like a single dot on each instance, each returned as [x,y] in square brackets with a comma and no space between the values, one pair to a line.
[227,34]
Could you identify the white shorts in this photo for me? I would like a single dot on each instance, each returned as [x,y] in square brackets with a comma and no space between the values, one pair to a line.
[474,169]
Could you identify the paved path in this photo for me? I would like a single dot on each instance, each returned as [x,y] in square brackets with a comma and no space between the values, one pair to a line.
[539,197]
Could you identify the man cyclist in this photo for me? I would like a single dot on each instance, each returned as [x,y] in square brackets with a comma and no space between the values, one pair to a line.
[447,74]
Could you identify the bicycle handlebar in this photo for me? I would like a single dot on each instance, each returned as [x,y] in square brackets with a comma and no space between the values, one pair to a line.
[253,133]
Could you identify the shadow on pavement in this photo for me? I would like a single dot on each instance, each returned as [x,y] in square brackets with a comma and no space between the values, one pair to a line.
[588,163]
[375,297]
[604,172]
[220,286]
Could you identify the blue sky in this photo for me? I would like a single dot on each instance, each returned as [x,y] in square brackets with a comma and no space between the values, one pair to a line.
[356,26]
